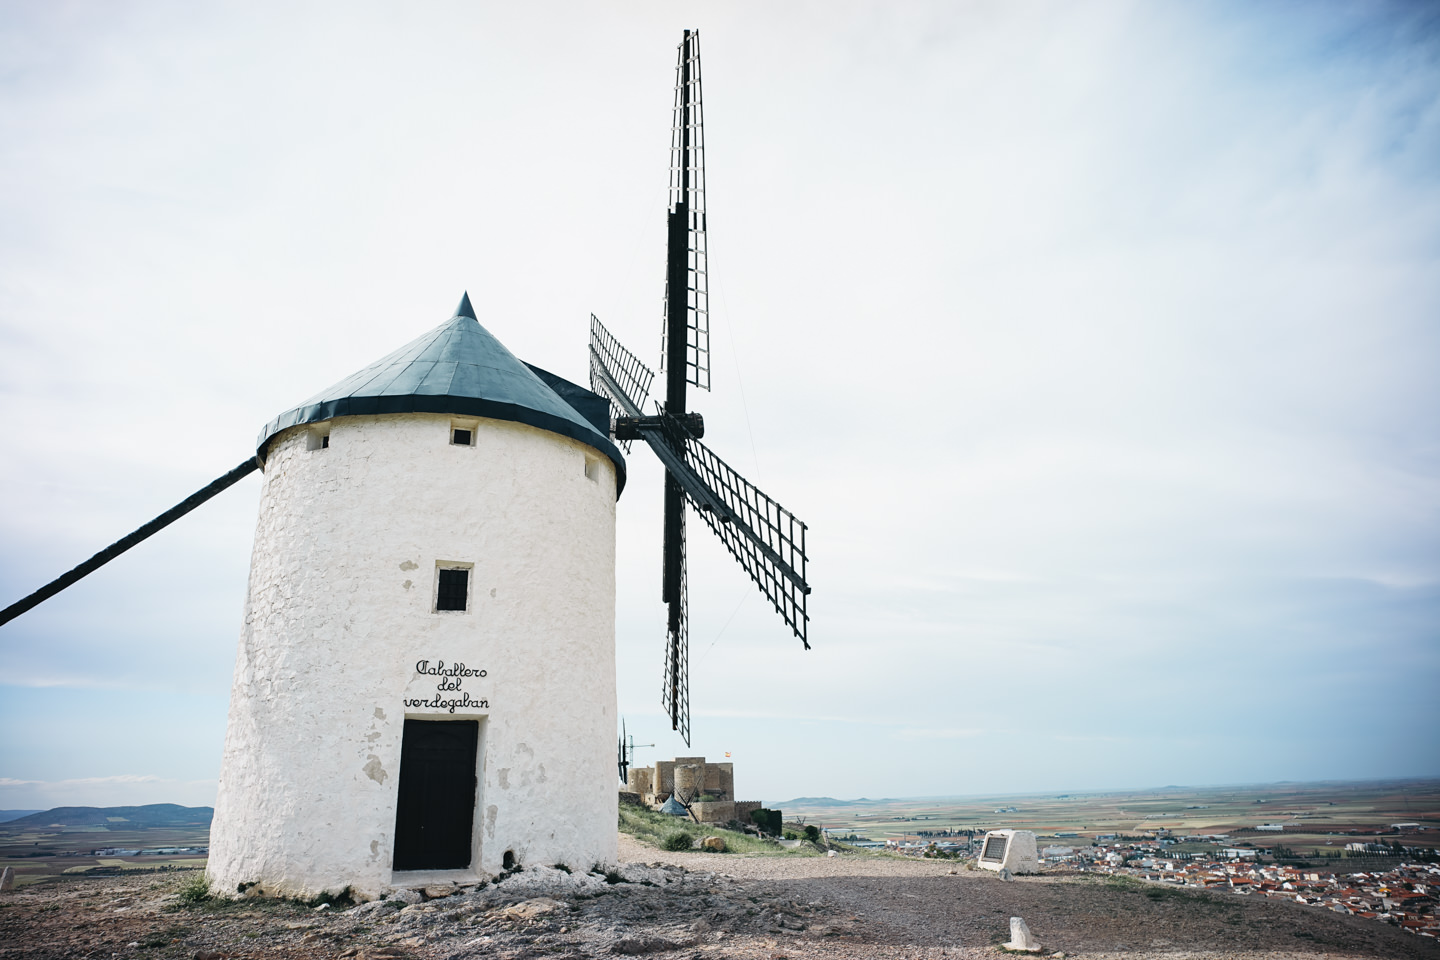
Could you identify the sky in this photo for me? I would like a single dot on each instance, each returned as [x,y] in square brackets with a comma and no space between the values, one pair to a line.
[1098,344]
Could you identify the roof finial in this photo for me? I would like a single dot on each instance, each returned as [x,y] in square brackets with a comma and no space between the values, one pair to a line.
[465,310]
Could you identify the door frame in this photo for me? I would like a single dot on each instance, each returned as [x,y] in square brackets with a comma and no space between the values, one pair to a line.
[472,872]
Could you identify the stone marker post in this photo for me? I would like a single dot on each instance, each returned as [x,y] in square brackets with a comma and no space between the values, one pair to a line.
[7,880]
[1020,938]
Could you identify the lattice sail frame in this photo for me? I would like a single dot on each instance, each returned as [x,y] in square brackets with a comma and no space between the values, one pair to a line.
[677,654]
[687,189]
[771,548]
[611,362]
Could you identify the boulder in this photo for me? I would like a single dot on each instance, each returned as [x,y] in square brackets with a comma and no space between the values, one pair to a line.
[530,909]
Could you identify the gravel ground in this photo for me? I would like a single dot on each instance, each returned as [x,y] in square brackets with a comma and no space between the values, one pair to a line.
[693,906]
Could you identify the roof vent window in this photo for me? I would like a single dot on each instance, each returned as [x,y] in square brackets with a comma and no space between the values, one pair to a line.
[462,432]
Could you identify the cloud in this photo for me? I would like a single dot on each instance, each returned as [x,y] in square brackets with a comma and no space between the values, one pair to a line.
[946,733]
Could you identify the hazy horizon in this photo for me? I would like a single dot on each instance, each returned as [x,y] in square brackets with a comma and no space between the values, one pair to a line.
[992,795]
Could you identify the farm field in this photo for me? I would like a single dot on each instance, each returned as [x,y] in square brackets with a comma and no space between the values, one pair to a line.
[1316,818]
[45,851]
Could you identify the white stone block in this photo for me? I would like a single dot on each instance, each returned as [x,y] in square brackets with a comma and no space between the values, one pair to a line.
[1020,937]
[1012,850]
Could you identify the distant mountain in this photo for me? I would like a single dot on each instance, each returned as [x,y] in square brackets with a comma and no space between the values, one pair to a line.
[825,802]
[15,814]
[116,818]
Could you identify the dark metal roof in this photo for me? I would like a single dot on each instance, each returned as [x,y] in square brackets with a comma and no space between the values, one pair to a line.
[459,368]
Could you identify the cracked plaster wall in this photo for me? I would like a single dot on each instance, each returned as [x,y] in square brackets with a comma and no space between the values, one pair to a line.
[340,610]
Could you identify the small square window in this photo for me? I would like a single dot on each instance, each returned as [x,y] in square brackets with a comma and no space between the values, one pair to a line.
[453,589]
[461,437]
[318,438]
[325,442]
[592,469]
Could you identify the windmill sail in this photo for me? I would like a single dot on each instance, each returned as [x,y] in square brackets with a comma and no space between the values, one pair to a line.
[687,296]
[617,374]
[767,539]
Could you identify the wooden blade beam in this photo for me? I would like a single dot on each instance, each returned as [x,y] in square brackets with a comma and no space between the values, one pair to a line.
[125,543]
[601,377]
[676,693]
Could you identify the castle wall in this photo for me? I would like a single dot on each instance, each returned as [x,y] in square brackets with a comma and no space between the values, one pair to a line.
[689,779]
[664,778]
[717,811]
[743,809]
[641,780]
[340,619]
[720,781]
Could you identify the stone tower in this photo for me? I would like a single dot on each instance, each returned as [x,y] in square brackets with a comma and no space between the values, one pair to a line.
[425,683]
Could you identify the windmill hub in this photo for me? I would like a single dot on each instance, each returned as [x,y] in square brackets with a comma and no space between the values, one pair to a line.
[632,428]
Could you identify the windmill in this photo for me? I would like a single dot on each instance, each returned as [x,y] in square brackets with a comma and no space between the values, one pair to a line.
[625,752]
[765,538]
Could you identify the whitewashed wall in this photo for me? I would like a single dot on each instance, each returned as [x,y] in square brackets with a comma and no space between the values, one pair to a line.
[340,610]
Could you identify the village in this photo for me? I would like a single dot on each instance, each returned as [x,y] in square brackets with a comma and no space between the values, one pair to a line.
[1403,895]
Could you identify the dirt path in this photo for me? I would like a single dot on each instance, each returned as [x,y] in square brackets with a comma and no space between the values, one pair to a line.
[932,904]
[697,907]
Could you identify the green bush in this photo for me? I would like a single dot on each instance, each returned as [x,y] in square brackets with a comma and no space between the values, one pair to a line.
[195,890]
[769,821]
[679,840]
[651,828]
[812,833]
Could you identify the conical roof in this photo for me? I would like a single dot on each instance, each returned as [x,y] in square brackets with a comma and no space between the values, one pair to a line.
[458,368]
[674,807]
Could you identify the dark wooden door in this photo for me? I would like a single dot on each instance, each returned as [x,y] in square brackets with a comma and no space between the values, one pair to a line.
[436,809]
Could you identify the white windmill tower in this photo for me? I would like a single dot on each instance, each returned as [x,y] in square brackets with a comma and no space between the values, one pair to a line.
[425,683]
